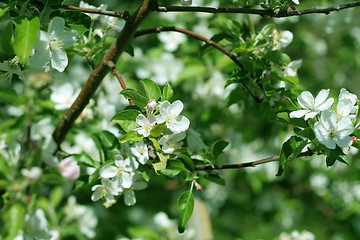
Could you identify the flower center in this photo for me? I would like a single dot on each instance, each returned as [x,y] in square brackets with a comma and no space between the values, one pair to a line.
[120,170]
[104,191]
[56,44]
[332,132]
[170,118]
[147,127]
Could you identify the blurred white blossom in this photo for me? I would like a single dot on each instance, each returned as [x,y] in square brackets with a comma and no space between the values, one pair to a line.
[69,168]
[32,174]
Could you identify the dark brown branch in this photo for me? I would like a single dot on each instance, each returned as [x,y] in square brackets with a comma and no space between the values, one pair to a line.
[286,12]
[240,165]
[97,75]
[198,37]
[125,15]
[119,78]
[192,34]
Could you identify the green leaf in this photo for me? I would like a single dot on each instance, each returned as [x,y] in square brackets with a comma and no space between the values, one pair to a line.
[167,92]
[215,178]
[152,89]
[185,206]
[14,219]
[26,33]
[126,119]
[7,38]
[56,196]
[158,129]
[187,160]
[277,57]
[131,136]
[162,164]
[336,154]
[3,10]
[136,96]
[289,151]
[76,18]
[8,95]
[291,79]
[155,143]
[218,148]
[108,139]
[143,232]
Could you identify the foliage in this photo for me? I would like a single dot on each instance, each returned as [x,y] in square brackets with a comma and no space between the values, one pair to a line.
[97,105]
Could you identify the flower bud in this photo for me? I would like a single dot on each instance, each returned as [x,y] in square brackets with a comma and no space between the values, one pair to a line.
[69,168]
[151,105]
[186,2]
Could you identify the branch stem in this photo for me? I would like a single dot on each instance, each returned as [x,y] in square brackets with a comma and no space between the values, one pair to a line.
[240,165]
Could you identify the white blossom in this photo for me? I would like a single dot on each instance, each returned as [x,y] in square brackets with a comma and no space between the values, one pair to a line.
[32,174]
[347,105]
[35,227]
[141,152]
[296,2]
[122,172]
[331,132]
[171,40]
[292,67]
[51,44]
[92,16]
[186,2]
[129,194]
[171,142]
[108,189]
[63,96]
[170,113]
[311,107]
[146,124]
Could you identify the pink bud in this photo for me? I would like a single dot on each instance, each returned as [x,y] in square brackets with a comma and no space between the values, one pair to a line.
[198,187]
[69,168]
[151,105]
[354,138]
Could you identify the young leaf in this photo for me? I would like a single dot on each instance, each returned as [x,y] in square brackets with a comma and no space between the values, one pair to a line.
[167,92]
[218,148]
[289,151]
[336,154]
[131,136]
[126,119]
[136,96]
[152,89]
[162,164]
[26,33]
[158,129]
[185,206]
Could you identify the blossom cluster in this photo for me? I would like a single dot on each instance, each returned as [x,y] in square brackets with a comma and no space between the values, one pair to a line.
[119,178]
[333,127]
[168,113]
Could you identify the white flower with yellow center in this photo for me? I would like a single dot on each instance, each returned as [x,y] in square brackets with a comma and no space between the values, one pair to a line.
[171,142]
[51,44]
[170,113]
[146,124]
[108,189]
[331,132]
[122,172]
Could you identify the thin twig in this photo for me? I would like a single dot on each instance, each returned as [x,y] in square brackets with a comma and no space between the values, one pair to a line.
[125,15]
[198,37]
[119,78]
[285,12]
[240,165]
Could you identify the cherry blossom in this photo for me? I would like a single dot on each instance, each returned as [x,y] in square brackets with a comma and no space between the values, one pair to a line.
[171,142]
[108,189]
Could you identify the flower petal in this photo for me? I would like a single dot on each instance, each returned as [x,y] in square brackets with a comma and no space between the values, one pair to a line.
[326,105]
[59,59]
[321,97]
[129,197]
[298,113]
[141,120]
[343,141]
[306,100]
[108,171]
[177,107]
[127,180]
[56,26]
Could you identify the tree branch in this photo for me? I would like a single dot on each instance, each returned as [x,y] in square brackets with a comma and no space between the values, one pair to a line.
[97,75]
[285,12]
[125,15]
[240,165]
[119,78]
